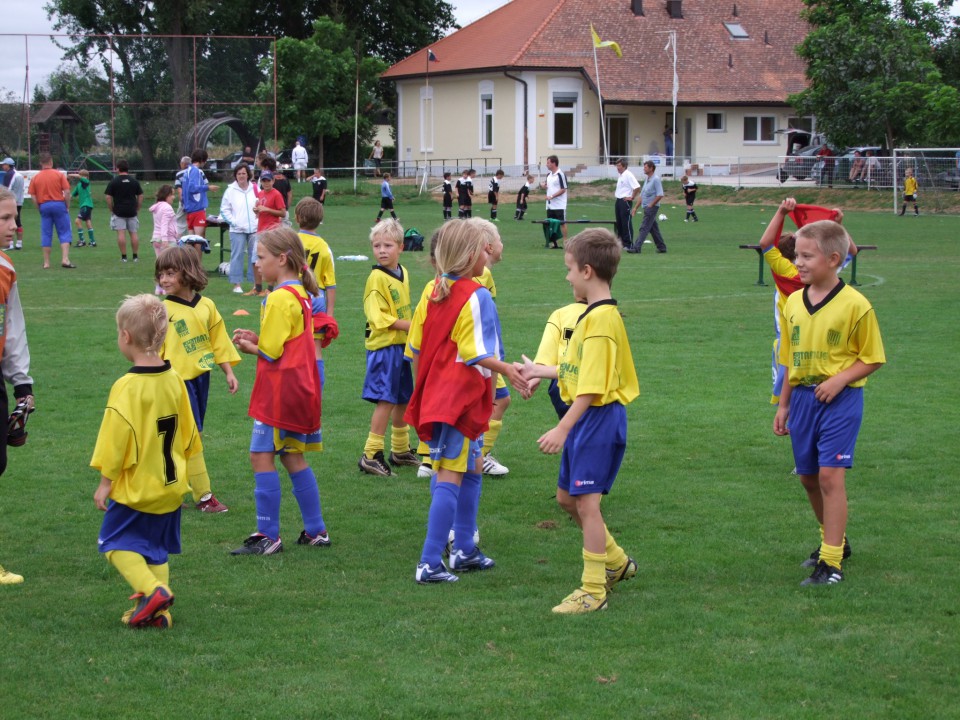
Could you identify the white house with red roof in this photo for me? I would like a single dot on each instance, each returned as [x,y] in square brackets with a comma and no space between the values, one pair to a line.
[520,84]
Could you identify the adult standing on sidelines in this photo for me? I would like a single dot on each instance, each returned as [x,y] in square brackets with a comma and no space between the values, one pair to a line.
[51,192]
[556,187]
[300,158]
[13,181]
[626,193]
[650,197]
[124,198]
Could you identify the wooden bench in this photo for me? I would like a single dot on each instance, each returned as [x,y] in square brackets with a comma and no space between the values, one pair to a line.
[853,263]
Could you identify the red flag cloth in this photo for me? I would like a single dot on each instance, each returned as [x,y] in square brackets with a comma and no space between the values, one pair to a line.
[323,323]
[806,214]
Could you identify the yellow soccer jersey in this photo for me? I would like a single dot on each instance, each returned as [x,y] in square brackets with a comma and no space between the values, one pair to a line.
[197,340]
[386,299]
[598,359]
[281,318]
[557,333]
[148,443]
[320,259]
[910,186]
[486,279]
[475,331]
[819,342]
[779,265]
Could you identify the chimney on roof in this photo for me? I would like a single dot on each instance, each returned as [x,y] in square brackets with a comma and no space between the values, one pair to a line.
[675,9]
[637,7]
[735,13]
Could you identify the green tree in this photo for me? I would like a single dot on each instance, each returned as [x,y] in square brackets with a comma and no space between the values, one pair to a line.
[871,70]
[316,89]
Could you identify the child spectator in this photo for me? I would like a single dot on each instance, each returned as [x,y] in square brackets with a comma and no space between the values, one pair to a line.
[456,351]
[85,201]
[522,196]
[285,403]
[270,212]
[386,198]
[597,379]
[164,220]
[148,451]
[909,192]
[13,350]
[493,194]
[124,198]
[689,196]
[197,342]
[318,185]
[236,209]
[194,189]
[13,181]
[309,215]
[389,381]
[280,184]
[830,343]
[447,197]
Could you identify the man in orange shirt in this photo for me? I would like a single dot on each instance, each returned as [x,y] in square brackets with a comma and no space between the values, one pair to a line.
[51,192]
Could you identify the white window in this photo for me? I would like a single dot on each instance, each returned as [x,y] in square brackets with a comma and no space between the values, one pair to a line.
[736,30]
[760,129]
[565,127]
[716,122]
[426,119]
[486,115]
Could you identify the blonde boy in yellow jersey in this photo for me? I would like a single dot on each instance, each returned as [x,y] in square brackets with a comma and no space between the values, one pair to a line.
[597,379]
[309,215]
[148,450]
[831,343]
[389,379]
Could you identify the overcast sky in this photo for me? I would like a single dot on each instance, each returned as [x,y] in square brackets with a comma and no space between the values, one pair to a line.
[29,17]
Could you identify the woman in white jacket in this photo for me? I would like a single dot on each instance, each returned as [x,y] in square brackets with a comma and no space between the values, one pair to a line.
[236,208]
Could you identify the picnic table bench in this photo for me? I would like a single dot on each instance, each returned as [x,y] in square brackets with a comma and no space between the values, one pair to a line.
[853,263]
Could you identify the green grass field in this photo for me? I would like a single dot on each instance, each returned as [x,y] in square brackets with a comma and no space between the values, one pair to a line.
[715,625]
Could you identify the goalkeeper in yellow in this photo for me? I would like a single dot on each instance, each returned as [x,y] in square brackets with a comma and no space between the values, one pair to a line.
[146,451]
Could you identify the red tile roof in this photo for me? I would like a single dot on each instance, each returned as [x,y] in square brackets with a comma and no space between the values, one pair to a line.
[713,67]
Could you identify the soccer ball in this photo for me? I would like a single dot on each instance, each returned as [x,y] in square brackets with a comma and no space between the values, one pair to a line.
[661,217]
[223,268]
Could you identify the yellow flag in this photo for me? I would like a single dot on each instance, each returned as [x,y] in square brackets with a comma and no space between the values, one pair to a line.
[598,43]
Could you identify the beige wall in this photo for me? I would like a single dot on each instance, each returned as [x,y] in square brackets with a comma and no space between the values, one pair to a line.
[457,122]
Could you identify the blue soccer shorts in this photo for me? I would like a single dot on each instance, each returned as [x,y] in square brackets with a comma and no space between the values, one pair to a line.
[594,450]
[389,377]
[822,434]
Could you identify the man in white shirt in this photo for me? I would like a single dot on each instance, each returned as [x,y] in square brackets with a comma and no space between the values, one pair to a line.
[299,158]
[626,193]
[556,187]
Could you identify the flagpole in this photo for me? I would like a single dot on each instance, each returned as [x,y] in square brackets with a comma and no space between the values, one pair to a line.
[603,125]
[673,40]
[423,129]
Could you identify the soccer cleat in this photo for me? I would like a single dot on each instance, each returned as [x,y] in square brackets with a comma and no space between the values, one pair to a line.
[425,470]
[162,620]
[579,602]
[81,243]
[491,466]
[9,578]
[211,505]
[258,544]
[320,540]
[239,290]
[824,574]
[815,555]
[17,423]
[375,465]
[407,457]
[474,561]
[624,572]
[426,575]
[93,243]
[148,607]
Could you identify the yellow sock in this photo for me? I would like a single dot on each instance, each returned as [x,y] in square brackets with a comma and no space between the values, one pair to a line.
[161,573]
[491,435]
[197,474]
[374,445]
[821,533]
[400,439]
[594,579]
[616,557]
[832,555]
[134,569]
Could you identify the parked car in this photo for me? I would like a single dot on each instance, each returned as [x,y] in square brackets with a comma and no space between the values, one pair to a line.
[285,163]
[799,165]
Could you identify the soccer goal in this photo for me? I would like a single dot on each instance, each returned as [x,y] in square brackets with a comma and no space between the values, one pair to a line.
[937,171]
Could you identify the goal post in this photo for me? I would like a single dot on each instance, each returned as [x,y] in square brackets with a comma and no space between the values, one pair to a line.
[937,171]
